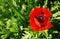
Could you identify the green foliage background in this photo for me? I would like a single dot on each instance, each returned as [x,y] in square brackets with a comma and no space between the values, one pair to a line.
[14,19]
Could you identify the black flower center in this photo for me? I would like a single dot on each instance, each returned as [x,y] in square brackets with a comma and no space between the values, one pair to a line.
[41,17]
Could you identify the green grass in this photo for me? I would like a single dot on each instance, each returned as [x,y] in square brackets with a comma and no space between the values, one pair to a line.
[14,19]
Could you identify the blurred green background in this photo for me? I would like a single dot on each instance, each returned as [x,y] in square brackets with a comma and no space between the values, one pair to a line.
[14,19]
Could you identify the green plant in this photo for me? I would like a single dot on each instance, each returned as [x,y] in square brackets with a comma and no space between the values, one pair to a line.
[14,19]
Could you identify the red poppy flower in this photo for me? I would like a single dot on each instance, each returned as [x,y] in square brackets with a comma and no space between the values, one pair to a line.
[39,19]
